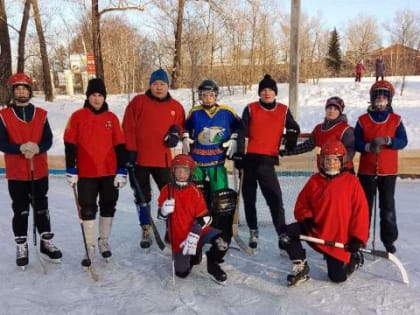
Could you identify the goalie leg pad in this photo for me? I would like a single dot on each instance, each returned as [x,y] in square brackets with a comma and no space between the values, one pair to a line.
[223,202]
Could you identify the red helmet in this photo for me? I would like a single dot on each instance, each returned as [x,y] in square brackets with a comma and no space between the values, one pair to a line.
[335,101]
[336,148]
[183,160]
[20,79]
[333,148]
[382,88]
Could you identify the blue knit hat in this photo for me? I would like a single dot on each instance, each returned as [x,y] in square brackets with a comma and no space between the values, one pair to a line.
[159,74]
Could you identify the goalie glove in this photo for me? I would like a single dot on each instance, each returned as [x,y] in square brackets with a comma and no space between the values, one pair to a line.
[189,246]
[231,145]
[186,143]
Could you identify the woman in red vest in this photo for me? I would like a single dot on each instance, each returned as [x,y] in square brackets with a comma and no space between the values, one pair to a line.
[25,138]
[379,134]
[334,127]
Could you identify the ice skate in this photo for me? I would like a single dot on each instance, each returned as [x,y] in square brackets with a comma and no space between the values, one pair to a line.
[104,248]
[48,250]
[146,240]
[299,274]
[21,252]
[253,239]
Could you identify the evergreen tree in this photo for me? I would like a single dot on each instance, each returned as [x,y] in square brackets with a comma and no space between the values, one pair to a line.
[333,60]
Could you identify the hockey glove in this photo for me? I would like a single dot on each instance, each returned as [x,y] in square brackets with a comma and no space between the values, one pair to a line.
[172,137]
[186,143]
[72,177]
[239,160]
[120,179]
[308,225]
[189,246]
[291,138]
[167,208]
[353,245]
[381,141]
[131,159]
[372,147]
[231,145]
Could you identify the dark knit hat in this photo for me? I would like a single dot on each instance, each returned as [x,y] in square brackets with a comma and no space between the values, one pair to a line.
[159,74]
[96,86]
[267,82]
[337,102]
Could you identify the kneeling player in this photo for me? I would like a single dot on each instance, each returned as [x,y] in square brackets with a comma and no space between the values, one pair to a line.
[182,204]
[331,206]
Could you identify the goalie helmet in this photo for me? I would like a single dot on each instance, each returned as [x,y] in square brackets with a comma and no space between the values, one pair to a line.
[382,88]
[208,85]
[336,148]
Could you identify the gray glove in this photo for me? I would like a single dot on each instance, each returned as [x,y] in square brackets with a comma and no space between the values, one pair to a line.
[382,141]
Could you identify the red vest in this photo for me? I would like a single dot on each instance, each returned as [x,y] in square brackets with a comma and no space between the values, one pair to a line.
[387,163]
[265,128]
[19,131]
[334,133]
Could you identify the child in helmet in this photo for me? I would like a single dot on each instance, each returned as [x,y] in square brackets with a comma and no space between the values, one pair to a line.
[210,135]
[334,127]
[331,206]
[379,135]
[182,204]
[25,138]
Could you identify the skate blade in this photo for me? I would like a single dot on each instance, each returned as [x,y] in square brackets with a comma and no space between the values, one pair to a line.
[23,268]
[50,260]
[293,283]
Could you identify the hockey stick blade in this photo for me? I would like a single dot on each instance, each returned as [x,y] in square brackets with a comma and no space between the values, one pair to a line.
[242,245]
[377,253]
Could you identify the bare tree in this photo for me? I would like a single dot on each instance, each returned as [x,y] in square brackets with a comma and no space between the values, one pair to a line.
[48,88]
[405,30]
[5,56]
[22,36]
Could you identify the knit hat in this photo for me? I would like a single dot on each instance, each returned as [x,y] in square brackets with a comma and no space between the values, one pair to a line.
[267,82]
[159,74]
[96,86]
[337,102]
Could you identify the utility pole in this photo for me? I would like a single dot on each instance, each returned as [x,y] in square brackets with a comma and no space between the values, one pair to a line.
[294,57]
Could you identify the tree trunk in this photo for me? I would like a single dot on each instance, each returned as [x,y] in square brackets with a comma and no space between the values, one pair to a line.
[96,40]
[22,36]
[49,96]
[5,56]
[176,70]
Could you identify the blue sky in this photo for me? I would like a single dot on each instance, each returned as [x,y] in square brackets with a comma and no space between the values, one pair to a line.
[336,13]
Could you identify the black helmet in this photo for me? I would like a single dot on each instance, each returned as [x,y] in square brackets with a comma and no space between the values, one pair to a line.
[208,85]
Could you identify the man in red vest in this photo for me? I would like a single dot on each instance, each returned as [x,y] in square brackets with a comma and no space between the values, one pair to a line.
[379,134]
[264,122]
[25,138]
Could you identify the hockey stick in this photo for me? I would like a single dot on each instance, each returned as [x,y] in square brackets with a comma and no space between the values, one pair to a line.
[375,202]
[235,223]
[142,202]
[31,163]
[90,268]
[377,253]
[170,196]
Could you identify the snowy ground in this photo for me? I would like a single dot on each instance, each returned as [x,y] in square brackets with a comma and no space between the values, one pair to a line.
[135,282]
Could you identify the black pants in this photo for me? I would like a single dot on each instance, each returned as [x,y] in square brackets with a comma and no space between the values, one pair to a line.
[385,186]
[338,271]
[21,194]
[265,176]
[89,189]
[159,174]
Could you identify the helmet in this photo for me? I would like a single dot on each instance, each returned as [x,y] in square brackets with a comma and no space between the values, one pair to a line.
[334,147]
[335,101]
[20,79]
[382,88]
[182,160]
[209,85]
